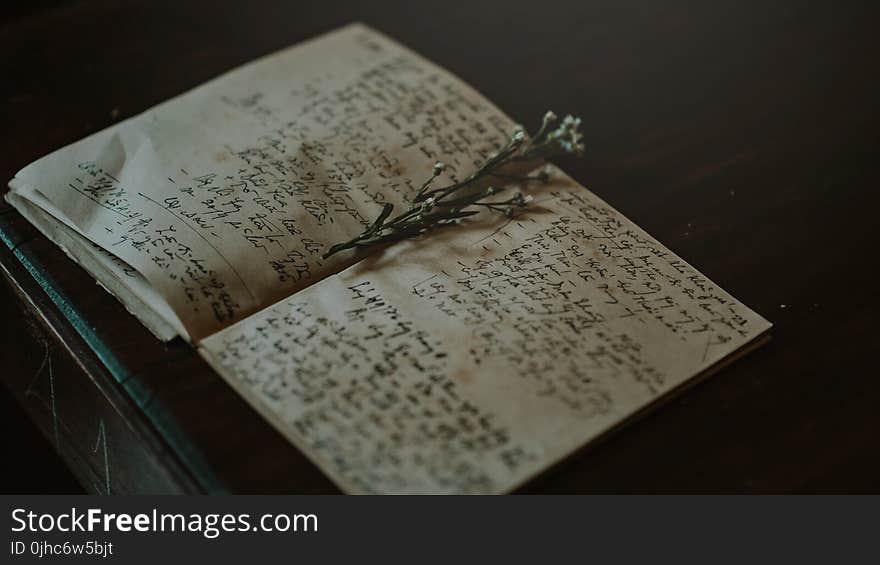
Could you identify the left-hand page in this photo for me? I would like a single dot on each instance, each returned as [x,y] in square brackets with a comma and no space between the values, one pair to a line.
[224,198]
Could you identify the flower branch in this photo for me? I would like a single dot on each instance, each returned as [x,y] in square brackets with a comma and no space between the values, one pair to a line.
[436,207]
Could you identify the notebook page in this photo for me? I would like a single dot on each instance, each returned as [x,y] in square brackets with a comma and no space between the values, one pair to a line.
[225,198]
[470,360]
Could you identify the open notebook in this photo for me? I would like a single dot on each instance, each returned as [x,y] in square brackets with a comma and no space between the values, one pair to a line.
[466,361]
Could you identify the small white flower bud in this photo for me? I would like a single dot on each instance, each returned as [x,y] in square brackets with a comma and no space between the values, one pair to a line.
[550,116]
[439,168]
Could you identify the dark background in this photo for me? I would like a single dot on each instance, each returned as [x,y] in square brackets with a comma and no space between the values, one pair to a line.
[742,135]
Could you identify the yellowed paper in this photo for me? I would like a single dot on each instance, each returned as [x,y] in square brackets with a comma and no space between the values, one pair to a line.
[225,197]
[473,359]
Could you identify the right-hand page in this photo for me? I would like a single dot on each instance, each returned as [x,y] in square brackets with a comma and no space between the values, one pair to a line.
[474,358]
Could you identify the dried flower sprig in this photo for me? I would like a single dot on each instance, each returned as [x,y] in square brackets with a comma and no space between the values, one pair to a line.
[433,208]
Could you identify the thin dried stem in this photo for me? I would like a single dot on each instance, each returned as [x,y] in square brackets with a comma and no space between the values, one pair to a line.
[433,208]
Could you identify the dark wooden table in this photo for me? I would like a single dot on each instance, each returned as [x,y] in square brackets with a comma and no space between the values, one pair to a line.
[744,137]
